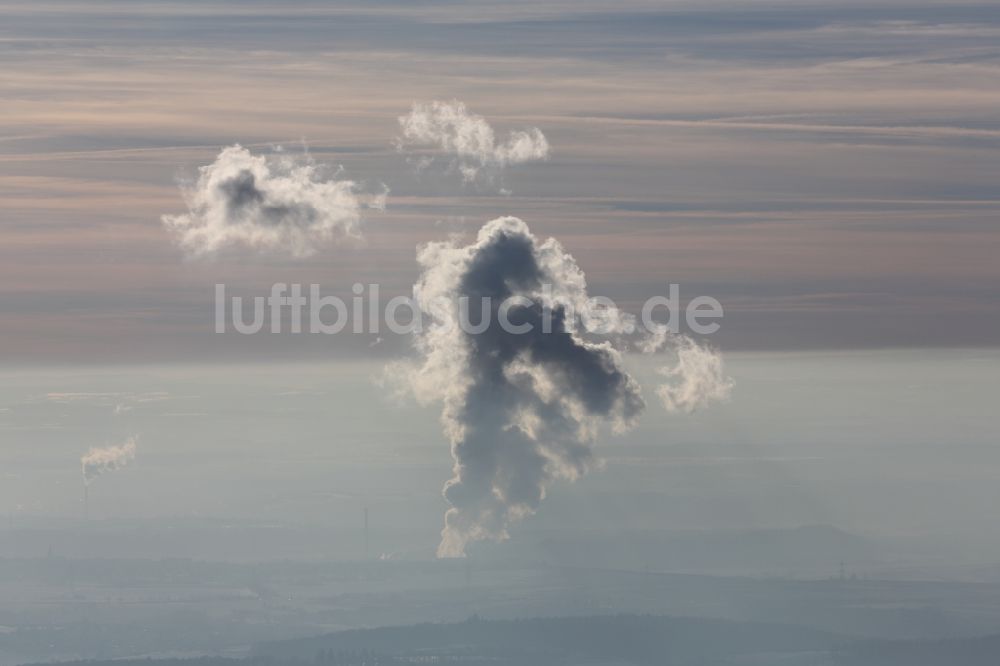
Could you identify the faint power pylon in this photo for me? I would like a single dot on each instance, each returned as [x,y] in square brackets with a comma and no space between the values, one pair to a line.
[366,534]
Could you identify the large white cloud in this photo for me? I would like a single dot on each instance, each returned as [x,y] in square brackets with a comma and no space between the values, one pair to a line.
[275,203]
[468,140]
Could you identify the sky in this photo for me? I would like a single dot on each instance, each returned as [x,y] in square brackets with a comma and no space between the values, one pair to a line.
[828,173]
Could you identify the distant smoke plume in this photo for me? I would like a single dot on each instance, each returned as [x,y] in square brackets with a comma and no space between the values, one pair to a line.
[276,203]
[696,380]
[520,409]
[469,140]
[108,459]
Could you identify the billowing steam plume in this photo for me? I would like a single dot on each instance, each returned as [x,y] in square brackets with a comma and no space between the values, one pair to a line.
[468,139]
[279,202]
[520,409]
[99,461]
[697,379]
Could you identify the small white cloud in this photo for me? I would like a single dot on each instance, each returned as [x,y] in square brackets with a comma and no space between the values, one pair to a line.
[468,140]
[696,380]
[274,203]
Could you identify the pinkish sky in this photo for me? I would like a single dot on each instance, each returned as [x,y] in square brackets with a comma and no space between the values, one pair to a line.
[828,173]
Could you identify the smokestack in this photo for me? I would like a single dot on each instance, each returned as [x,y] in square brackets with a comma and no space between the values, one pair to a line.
[86,502]
[469,600]
[366,534]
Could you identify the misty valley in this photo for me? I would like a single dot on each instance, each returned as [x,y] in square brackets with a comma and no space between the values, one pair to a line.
[512,608]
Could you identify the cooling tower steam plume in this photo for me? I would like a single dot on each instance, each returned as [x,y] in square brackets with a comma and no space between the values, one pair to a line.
[520,409]
[278,203]
[100,461]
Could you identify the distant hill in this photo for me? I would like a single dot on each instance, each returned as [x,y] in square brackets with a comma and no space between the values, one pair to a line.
[983,651]
[596,641]
[812,549]
[632,639]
